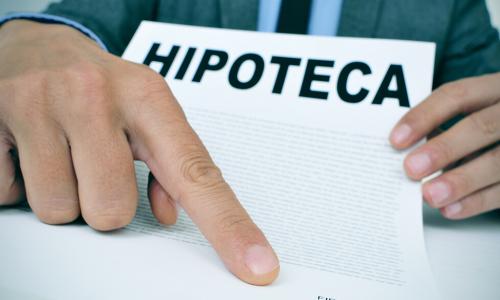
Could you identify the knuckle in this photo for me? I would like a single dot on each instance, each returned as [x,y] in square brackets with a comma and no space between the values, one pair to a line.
[28,94]
[441,150]
[90,96]
[154,86]
[88,75]
[150,95]
[88,84]
[237,231]
[36,79]
[460,183]
[197,168]
[230,222]
[146,72]
[486,126]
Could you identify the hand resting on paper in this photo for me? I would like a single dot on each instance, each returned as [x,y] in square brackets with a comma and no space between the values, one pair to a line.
[469,152]
[72,120]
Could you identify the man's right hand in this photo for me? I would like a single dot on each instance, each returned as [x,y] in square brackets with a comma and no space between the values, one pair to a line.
[76,117]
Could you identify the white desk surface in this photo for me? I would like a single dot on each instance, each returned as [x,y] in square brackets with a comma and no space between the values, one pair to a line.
[464,255]
[465,258]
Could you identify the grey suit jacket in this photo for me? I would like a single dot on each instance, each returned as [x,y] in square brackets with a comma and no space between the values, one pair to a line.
[467,44]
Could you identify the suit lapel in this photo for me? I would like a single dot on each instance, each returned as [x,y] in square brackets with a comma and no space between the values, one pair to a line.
[359,18]
[239,14]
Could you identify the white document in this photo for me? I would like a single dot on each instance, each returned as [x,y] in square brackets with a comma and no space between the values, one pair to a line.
[307,155]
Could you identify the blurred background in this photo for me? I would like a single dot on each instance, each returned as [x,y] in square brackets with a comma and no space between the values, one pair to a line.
[37,5]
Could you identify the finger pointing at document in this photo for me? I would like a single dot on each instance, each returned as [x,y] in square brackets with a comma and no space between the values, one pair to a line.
[78,117]
[469,151]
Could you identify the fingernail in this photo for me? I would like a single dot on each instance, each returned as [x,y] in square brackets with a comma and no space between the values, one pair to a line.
[400,134]
[453,209]
[438,192]
[419,163]
[260,260]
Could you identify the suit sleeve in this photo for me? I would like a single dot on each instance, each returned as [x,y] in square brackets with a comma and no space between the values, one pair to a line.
[113,21]
[472,46]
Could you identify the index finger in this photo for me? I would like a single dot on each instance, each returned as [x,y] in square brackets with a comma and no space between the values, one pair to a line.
[182,165]
[463,96]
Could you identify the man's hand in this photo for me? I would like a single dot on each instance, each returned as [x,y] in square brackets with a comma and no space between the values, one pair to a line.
[75,118]
[472,187]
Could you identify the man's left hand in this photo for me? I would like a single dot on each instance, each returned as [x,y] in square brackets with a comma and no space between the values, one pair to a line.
[473,145]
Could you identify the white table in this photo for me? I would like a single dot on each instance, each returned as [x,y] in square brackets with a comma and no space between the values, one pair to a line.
[464,255]
[44,260]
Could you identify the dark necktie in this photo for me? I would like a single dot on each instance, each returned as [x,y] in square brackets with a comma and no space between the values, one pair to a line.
[294,16]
